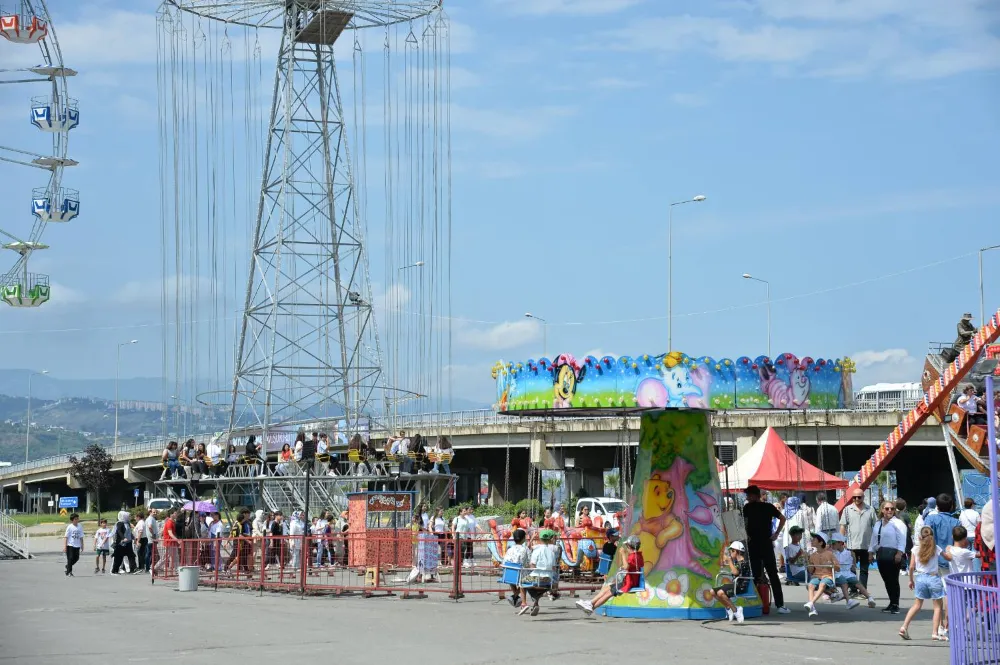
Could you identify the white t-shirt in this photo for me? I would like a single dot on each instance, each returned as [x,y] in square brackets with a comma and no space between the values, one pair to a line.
[543,557]
[320,529]
[439,525]
[791,552]
[517,554]
[74,535]
[214,451]
[961,559]
[929,568]
[101,538]
[846,559]
[969,518]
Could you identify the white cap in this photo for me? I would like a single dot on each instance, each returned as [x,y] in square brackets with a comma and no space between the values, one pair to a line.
[837,537]
[819,534]
[738,546]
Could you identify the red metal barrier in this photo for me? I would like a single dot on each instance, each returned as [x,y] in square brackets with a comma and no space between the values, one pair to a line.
[403,563]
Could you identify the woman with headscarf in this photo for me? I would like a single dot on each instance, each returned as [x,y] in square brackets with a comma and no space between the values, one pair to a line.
[122,539]
[929,508]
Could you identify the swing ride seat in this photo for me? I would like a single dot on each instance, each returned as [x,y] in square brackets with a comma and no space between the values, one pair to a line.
[61,205]
[50,114]
[749,592]
[604,565]
[620,579]
[527,581]
[511,573]
[33,293]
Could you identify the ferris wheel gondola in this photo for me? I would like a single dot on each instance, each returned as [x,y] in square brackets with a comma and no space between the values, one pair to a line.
[55,113]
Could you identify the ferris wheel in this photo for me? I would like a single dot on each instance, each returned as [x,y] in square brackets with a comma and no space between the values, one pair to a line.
[54,113]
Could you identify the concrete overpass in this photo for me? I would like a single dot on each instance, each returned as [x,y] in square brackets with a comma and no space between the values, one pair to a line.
[499,446]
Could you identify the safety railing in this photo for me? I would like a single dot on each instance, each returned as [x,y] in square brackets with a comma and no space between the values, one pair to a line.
[973,617]
[387,562]
[431,422]
[14,538]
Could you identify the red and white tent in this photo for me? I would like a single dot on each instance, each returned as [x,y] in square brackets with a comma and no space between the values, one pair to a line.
[771,465]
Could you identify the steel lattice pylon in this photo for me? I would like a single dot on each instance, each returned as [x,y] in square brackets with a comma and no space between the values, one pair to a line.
[308,345]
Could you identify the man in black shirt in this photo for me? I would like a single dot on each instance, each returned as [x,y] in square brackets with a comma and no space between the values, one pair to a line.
[757,519]
[610,548]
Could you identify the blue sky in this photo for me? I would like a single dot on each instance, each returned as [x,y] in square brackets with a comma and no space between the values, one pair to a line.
[848,150]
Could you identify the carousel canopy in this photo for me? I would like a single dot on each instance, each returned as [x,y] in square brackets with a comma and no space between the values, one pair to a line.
[771,465]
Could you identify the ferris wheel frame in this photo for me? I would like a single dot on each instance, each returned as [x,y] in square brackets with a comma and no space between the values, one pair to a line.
[52,70]
[270,13]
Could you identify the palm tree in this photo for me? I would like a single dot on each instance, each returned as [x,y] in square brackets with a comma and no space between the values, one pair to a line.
[882,482]
[613,479]
[552,484]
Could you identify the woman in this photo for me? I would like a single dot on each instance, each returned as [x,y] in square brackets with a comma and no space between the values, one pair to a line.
[440,528]
[187,452]
[200,461]
[284,461]
[300,442]
[171,461]
[887,544]
[444,453]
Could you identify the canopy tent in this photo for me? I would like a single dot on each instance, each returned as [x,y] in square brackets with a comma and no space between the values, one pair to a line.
[771,465]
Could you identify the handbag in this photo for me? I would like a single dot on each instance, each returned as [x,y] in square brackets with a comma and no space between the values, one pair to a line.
[884,555]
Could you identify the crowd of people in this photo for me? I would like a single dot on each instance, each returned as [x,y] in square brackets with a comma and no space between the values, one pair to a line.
[832,553]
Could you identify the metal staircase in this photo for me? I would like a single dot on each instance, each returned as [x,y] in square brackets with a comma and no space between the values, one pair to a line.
[287,493]
[939,386]
[14,539]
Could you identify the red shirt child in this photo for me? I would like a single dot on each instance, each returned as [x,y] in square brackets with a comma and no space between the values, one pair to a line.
[635,564]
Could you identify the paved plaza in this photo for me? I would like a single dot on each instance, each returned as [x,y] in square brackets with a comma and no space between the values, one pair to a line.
[46,618]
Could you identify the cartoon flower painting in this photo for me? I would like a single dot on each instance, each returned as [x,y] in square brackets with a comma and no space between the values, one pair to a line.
[705,595]
[673,589]
[645,595]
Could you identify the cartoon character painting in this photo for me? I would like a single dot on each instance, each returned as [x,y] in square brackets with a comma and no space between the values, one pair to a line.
[658,525]
[675,388]
[781,395]
[567,373]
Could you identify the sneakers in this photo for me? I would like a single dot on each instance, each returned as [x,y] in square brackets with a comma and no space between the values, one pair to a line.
[851,604]
[739,614]
[812,609]
[871,601]
[512,599]
[534,610]
[836,595]
[524,608]
[586,606]
[942,632]
[894,609]
[97,570]
[784,610]
[730,615]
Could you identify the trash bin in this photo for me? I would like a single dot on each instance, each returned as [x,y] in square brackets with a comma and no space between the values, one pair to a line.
[187,578]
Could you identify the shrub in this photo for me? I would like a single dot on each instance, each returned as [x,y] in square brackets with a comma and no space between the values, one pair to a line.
[532,506]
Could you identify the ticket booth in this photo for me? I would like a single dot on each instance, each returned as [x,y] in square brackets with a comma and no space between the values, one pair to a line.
[379,529]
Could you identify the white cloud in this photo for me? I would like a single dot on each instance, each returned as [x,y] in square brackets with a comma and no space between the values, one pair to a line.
[566,7]
[500,337]
[393,299]
[886,365]
[64,295]
[614,83]
[149,291]
[901,39]
[690,99]
[512,124]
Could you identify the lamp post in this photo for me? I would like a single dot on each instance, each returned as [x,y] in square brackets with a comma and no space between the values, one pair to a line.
[118,367]
[982,304]
[545,331]
[767,284]
[670,268]
[27,435]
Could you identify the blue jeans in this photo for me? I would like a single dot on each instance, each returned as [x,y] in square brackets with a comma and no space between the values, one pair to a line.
[320,550]
[447,467]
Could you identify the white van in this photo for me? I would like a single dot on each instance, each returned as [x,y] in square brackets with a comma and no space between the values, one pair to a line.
[603,510]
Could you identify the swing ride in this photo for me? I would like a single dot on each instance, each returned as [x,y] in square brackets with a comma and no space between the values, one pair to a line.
[56,113]
[267,205]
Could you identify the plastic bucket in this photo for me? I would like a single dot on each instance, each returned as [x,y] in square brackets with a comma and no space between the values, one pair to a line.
[187,578]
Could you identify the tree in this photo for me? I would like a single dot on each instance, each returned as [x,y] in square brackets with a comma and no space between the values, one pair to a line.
[552,484]
[613,480]
[93,471]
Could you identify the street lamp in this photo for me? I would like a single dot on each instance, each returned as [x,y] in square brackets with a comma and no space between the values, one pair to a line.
[982,305]
[118,367]
[670,268]
[418,264]
[545,331]
[767,284]
[27,435]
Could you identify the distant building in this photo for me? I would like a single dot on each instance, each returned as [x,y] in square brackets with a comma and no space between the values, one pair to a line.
[888,396]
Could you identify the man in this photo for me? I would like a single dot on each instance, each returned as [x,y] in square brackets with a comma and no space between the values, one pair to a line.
[827,517]
[757,516]
[73,543]
[856,525]
[942,524]
[141,540]
[152,535]
[215,455]
[969,517]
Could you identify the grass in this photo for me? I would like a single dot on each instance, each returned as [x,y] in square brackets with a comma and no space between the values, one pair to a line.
[33,519]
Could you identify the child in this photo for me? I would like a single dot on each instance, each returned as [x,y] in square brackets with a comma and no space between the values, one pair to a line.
[925,581]
[960,558]
[101,538]
[823,567]
[73,543]
[518,554]
[543,575]
[742,575]
[630,564]
[846,576]
[795,558]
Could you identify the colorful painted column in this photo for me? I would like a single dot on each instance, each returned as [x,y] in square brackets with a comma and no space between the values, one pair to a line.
[676,510]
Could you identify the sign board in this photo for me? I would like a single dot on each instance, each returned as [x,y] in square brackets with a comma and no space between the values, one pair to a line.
[384,502]
[135,492]
[183,493]
[69,502]
[145,495]
[51,503]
